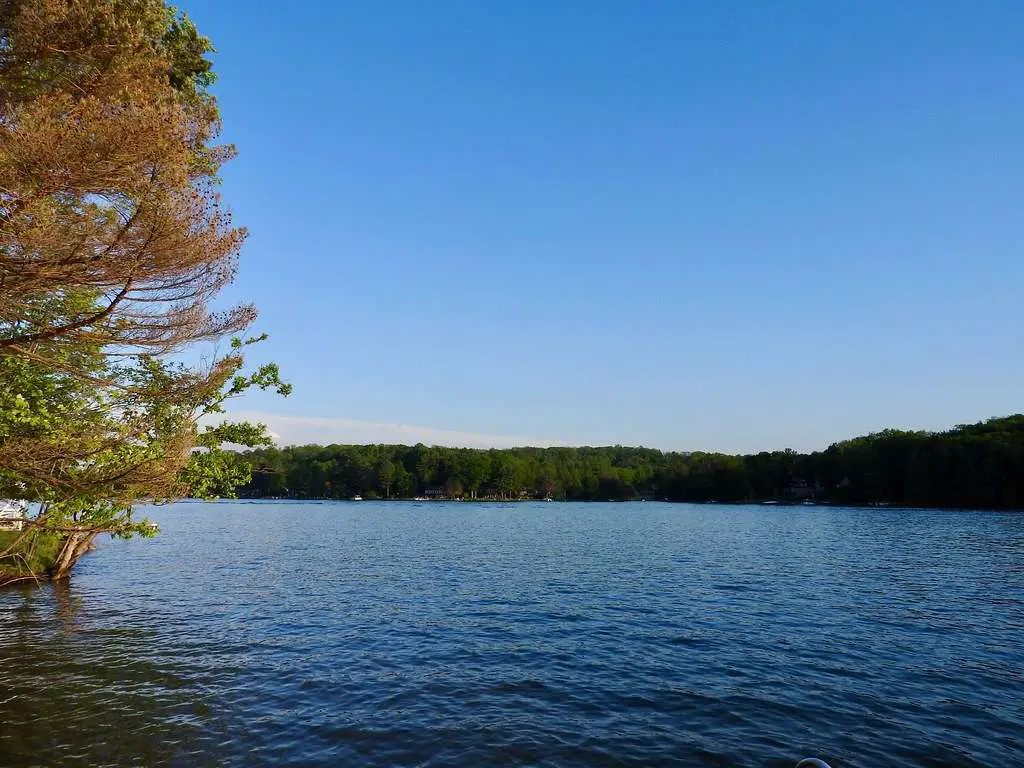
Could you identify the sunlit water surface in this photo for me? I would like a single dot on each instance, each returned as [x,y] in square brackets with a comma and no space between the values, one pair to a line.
[529,634]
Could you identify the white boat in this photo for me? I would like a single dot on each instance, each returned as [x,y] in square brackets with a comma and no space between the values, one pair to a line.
[357,497]
[12,514]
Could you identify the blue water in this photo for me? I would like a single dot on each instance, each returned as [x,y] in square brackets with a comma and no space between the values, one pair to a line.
[528,634]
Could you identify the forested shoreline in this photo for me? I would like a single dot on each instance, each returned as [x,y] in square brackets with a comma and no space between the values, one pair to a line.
[977,466]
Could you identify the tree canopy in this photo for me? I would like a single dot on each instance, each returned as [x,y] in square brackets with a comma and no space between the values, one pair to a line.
[111,227]
[114,246]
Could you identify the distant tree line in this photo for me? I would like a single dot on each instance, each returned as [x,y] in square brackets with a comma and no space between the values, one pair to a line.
[979,465]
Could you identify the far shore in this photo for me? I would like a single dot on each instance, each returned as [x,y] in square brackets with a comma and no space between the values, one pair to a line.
[764,503]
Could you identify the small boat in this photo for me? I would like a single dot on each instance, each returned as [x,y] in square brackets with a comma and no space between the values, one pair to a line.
[357,497]
[12,514]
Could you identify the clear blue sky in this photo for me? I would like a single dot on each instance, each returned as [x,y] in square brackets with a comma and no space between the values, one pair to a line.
[718,225]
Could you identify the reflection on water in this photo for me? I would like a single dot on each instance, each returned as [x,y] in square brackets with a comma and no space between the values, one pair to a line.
[619,634]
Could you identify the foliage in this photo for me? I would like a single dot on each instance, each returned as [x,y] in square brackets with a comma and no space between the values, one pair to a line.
[111,227]
[37,553]
[980,465]
[86,454]
[113,246]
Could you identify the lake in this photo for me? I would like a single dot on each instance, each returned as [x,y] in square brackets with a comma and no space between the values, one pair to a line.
[432,634]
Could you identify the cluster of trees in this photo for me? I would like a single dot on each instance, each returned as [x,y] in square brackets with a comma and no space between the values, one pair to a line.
[114,246]
[979,465]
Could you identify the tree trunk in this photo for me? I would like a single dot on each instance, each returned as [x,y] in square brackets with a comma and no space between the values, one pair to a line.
[76,545]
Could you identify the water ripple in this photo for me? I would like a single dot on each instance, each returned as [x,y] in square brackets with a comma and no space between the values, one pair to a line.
[554,635]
